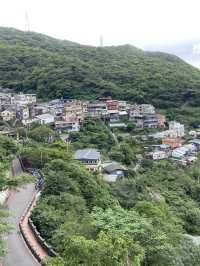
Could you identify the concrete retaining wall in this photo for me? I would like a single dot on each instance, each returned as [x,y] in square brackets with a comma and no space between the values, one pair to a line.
[41,240]
[26,221]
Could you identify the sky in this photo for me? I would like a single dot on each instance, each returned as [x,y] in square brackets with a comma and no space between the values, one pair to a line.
[165,25]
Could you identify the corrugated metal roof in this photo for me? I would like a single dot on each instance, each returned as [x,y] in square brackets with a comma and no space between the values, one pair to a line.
[113,167]
[45,116]
[195,141]
[87,154]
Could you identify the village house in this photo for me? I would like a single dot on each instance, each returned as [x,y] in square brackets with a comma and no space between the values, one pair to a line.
[173,142]
[75,108]
[8,114]
[159,152]
[111,104]
[23,99]
[176,129]
[5,99]
[113,171]
[150,121]
[56,108]
[113,116]
[146,109]
[143,116]
[136,117]
[22,113]
[91,158]
[123,106]
[161,120]
[187,152]
[96,109]
[196,142]
[69,125]
[38,109]
[159,155]
[123,115]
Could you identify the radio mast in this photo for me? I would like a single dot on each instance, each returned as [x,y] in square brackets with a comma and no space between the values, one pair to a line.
[27,25]
[101,40]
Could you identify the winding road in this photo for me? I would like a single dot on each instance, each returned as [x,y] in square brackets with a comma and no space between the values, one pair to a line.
[18,253]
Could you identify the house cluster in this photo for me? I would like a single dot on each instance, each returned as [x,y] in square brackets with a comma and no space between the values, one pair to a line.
[16,106]
[116,112]
[67,115]
[173,145]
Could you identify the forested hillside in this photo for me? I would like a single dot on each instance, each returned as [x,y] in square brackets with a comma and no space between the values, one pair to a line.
[53,68]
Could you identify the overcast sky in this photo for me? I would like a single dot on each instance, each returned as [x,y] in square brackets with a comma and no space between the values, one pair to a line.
[143,23]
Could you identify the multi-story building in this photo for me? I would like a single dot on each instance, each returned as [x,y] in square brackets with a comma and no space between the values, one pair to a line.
[173,142]
[150,121]
[8,114]
[146,109]
[74,108]
[5,99]
[176,129]
[122,105]
[159,155]
[38,110]
[161,120]
[96,109]
[135,116]
[112,105]
[69,126]
[22,113]
[23,99]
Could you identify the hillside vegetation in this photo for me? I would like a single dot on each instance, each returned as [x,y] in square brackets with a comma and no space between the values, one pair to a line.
[33,62]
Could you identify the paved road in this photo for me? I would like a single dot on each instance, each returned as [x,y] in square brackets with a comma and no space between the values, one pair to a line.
[18,253]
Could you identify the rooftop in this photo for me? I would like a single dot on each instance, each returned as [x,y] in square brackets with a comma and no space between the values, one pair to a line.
[45,116]
[87,154]
[113,166]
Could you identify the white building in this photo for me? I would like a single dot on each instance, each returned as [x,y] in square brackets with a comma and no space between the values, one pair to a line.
[23,99]
[69,126]
[45,119]
[177,129]
[183,151]
[146,109]
[159,155]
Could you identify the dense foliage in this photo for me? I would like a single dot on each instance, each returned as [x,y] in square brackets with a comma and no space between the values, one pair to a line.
[7,149]
[36,63]
[140,220]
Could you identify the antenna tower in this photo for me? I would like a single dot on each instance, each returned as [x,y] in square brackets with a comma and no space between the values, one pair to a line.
[27,25]
[101,40]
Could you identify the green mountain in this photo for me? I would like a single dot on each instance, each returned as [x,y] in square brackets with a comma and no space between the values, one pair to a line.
[33,62]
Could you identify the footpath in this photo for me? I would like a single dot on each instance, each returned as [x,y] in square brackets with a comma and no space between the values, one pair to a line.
[18,252]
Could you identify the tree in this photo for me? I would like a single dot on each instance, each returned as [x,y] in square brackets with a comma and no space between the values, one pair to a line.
[131,127]
[42,134]
[106,250]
